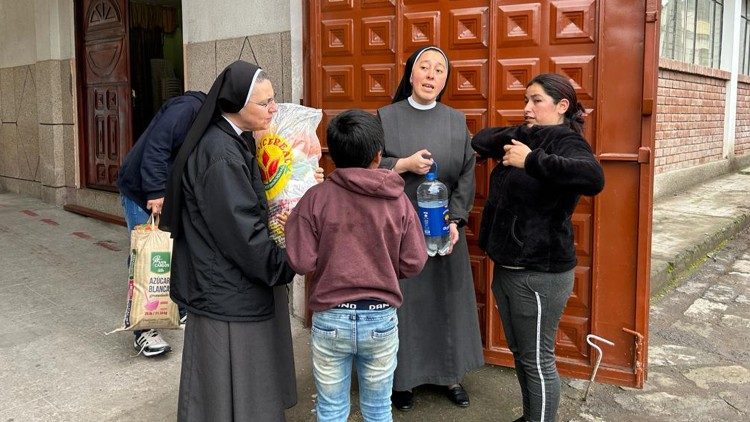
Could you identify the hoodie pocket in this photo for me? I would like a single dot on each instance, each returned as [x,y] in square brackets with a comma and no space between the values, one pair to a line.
[504,245]
[513,235]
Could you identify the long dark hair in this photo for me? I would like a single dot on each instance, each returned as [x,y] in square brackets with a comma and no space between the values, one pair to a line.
[559,87]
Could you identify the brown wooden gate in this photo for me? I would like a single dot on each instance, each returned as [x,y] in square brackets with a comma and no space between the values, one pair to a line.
[355,54]
[105,107]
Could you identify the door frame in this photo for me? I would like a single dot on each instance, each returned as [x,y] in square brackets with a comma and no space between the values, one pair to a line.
[80,81]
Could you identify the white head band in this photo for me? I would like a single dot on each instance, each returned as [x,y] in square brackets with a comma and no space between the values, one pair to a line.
[250,91]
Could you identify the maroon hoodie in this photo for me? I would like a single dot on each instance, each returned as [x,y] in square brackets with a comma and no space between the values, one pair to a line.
[358,233]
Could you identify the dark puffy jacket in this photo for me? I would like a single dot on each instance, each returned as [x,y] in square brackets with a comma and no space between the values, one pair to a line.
[224,262]
[144,172]
[527,216]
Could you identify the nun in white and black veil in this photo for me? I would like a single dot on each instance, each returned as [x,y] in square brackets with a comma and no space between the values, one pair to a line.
[437,323]
[237,362]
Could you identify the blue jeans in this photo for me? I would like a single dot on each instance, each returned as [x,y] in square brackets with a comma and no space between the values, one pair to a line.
[135,215]
[370,340]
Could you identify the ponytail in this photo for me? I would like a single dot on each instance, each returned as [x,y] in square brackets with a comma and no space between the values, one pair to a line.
[575,117]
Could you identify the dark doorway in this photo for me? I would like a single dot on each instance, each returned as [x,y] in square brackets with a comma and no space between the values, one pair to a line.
[156,62]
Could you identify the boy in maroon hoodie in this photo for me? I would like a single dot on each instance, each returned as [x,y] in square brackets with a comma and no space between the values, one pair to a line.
[358,234]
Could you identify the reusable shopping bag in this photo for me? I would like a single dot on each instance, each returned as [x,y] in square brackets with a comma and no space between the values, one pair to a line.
[148,303]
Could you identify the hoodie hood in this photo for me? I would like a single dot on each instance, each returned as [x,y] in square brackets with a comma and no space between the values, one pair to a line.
[381,183]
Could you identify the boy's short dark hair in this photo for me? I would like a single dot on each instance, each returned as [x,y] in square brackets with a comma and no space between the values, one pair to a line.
[354,138]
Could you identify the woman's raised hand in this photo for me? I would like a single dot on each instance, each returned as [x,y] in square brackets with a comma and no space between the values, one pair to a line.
[515,154]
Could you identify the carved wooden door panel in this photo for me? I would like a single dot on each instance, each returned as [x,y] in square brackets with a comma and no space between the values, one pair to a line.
[355,57]
[106,109]
[558,37]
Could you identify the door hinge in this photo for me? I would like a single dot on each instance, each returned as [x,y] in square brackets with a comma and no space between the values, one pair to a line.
[652,11]
[638,363]
[647,108]
[644,157]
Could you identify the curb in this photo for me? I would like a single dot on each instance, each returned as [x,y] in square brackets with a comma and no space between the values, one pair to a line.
[665,277]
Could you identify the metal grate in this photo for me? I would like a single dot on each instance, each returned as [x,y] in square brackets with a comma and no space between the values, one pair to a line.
[691,31]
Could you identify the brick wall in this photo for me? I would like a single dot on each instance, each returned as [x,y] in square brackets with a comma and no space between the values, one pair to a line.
[690,115]
[742,128]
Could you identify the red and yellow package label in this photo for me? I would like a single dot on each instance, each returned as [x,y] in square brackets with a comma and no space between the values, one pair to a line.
[274,156]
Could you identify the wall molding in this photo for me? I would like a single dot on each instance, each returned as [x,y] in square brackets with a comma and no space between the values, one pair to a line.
[694,69]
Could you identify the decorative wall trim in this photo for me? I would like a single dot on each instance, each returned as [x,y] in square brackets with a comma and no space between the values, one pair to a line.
[695,69]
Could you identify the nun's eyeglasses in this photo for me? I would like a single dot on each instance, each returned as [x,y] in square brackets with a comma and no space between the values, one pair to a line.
[266,103]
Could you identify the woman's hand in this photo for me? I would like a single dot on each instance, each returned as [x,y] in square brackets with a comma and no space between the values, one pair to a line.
[319,175]
[453,233]
[282,217]
[515,155]
[418,163]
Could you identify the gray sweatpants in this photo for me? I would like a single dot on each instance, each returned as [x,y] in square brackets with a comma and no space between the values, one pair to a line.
[531,304]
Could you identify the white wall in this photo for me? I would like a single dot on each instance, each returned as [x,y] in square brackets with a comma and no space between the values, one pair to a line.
[38,30]
[225,19]
[17,33]
[298,66]
[55,38]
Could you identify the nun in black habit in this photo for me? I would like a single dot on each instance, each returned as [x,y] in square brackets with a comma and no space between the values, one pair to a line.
[437,322]
[237,362]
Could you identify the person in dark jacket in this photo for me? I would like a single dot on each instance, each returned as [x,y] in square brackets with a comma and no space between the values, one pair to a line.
[358,234]
[237,361]
[142,181]
[526,229]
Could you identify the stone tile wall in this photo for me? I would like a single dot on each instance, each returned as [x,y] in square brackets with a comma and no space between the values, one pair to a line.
[58,145]
[205,60]
[19,131]
[37,145]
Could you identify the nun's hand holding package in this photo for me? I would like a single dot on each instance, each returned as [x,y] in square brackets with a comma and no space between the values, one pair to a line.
[288,156]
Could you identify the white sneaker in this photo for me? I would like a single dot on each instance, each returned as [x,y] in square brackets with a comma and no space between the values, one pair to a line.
[150,344]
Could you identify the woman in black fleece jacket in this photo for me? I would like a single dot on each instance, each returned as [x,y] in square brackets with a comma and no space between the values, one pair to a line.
[526,229]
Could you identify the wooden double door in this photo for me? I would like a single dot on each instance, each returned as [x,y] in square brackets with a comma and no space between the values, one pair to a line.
[355,52]
[105,107]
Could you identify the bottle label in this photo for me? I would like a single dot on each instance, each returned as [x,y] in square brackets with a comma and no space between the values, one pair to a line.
[434,220]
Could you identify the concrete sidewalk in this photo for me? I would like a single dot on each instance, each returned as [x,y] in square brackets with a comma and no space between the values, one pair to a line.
[62,286]
[690,225]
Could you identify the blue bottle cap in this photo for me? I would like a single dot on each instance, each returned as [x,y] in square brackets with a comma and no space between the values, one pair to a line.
[432,174]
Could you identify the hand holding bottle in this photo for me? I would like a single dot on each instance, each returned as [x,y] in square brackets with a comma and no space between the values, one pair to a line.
[418,163]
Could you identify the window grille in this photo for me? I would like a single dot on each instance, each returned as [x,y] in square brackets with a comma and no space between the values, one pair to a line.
[691,31]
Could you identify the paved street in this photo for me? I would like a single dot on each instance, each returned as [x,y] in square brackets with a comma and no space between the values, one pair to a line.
[699,358]
[62,286]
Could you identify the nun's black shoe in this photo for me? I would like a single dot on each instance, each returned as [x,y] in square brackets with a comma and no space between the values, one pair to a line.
[458,396]
[402,400]
[521,419]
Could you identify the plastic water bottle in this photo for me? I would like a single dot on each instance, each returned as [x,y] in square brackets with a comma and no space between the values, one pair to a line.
[432,201]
